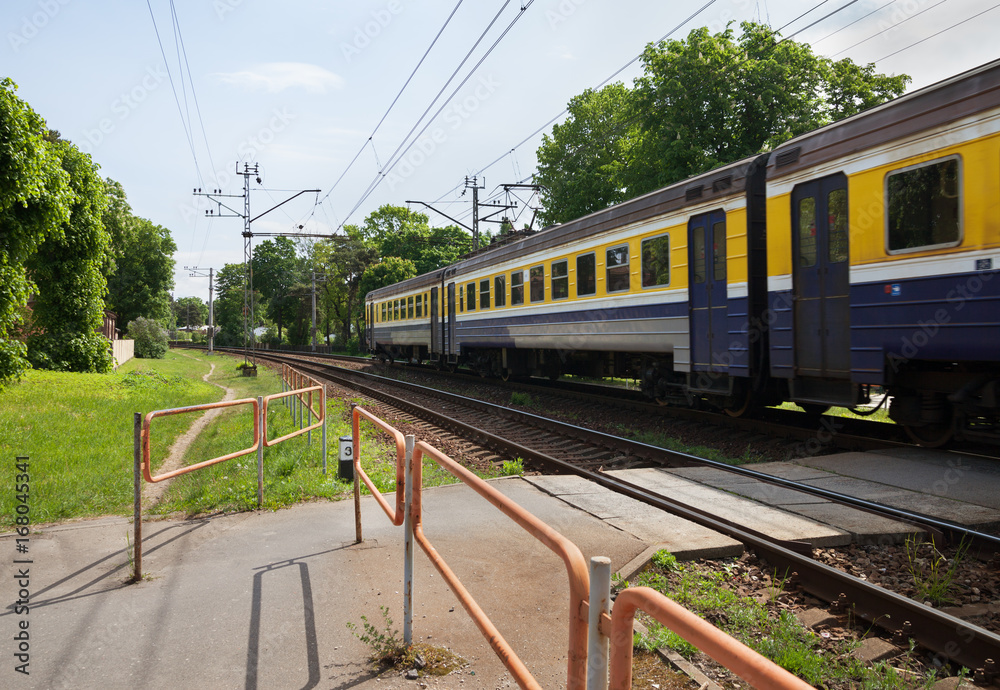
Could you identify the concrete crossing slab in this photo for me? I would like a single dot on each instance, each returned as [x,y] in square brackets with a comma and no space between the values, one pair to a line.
[683,538]
[937,473]
[774,522]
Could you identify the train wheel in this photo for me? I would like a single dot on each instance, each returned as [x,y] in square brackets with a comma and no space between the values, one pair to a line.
[931,435]
[814,410]
[738,410]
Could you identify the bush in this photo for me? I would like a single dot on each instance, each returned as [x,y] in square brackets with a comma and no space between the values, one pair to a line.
[150,338]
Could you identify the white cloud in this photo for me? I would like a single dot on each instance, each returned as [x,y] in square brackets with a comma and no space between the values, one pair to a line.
[278,76]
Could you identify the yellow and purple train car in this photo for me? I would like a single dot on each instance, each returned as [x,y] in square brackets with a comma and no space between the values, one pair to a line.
[863,254]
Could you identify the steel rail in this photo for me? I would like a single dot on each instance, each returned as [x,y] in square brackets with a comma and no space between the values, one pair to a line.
[984,543]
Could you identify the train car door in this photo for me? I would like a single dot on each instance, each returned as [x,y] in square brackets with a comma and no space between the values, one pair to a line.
[449,331]
[370,327]
[435,324]
[707,291]
[821,280]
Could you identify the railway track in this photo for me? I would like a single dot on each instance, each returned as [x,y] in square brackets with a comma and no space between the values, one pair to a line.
[563,448]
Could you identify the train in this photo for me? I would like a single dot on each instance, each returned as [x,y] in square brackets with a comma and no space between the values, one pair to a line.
[857,259]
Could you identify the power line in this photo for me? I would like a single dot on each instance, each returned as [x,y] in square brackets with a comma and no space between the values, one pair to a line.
[398,154]
[391,105]
[826,16]
[564,110]
[877,9]
[184,122]
[194,93]
[938,33]
[912,16]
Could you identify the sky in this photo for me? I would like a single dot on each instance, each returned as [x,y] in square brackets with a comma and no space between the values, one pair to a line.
[169,96]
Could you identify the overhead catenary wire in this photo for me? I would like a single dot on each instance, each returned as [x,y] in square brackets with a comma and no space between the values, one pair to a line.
[400,151]
[564,110]
[184,122]
[632,120]
[847,26]
[393,104]
[194,93]
[889,28]
[938,33]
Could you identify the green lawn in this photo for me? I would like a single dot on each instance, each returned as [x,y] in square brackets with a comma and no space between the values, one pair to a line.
[77,431]
[293,469]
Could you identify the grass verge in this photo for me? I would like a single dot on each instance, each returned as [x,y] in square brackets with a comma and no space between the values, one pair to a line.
[819,658]
[77,431]
[293,469]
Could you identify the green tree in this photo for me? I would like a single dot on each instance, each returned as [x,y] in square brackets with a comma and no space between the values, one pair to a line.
[229,285]
[35,201]
[344,262]
[400,232]
[69,268]
[144,272]
[189,312]
[276,268]
[391,269]
[150,338]
[702,102]
[581,165]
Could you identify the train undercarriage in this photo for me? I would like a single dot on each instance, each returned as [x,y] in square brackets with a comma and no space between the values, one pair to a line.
[936,403]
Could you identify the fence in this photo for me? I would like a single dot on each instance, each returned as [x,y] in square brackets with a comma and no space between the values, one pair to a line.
[297,393]
[123,351]
[596,631]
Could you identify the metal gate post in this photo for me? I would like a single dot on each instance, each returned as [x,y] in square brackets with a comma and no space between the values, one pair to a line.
[137,496]
[408,544]
[260,454]
[322,402]
[600,604]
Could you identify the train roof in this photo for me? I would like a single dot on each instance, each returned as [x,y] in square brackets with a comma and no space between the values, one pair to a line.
[415,284]
[963,95]
[720,183]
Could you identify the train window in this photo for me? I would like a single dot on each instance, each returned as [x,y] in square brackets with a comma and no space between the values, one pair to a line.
[420,306]
[719,249]
[470,296]
[656,261]
[484,293]
[698,249]
[586,275]
[617,269]
[807,232]
[395,310]
[560,279]
[536,276]
[516,288]
[409,309]
[836,207]
[500,288]
[383,311]
[923,206]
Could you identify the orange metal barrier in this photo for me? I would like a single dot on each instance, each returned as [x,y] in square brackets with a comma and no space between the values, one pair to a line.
[319,416]
[576,567]
[141,442]
[196,408]
[734,655]
[397,515]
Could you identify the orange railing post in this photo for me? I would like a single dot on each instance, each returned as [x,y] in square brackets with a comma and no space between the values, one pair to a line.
[396,516]
[734,655]
[576,568]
